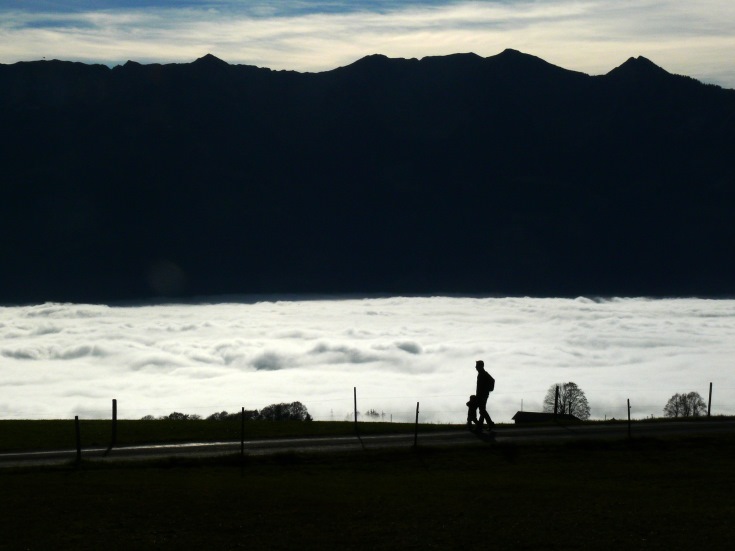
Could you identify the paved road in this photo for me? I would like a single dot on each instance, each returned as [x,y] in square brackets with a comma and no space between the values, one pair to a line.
[455,437]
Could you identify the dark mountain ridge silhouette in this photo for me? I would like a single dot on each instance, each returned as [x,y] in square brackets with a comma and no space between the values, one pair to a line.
[452,174]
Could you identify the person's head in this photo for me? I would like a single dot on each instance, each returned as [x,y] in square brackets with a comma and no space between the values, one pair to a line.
[480,365]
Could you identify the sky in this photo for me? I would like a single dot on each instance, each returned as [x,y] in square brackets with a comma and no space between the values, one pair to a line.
[62,360]
[593,36]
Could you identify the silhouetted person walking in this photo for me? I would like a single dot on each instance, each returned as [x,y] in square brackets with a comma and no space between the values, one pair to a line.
[485,385]
[472,412]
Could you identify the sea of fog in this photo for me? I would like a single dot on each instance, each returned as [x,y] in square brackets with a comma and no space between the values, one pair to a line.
[61,360]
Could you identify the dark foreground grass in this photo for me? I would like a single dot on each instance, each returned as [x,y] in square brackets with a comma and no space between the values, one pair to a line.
[29,435]
[655,494]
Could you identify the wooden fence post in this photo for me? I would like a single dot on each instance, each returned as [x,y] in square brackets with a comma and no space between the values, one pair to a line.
[79,439]
[113,441]
[416,430]
[357,432]
[709,402]
[242,441]
[355,403]
[242,432]
[629,434]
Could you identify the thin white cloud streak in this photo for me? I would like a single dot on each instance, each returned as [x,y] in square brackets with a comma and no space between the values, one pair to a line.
[593,36]
[65,360]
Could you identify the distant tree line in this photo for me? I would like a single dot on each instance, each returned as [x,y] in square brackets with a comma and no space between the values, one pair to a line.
[295,411]
[572,400]
[685,405]
[371,415]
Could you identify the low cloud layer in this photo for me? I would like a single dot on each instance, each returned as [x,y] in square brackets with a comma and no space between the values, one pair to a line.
[594,36]
[60,360]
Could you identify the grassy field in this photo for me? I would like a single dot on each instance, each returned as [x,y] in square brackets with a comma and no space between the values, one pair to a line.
[33,435]
[644,494]
[28,435]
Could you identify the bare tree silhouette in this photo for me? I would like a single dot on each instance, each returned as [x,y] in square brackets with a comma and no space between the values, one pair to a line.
[685,405]
[571,400]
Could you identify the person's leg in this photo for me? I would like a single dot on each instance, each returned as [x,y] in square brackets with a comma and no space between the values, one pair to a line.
[484,415]
[471,416]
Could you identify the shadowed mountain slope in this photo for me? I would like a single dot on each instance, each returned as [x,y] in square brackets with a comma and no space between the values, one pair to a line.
[455,174]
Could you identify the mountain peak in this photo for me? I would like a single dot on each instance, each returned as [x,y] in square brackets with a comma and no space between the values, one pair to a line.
[372,60]
[374,63]
[510,57]
[210,60]
[637,67]
[510,52]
